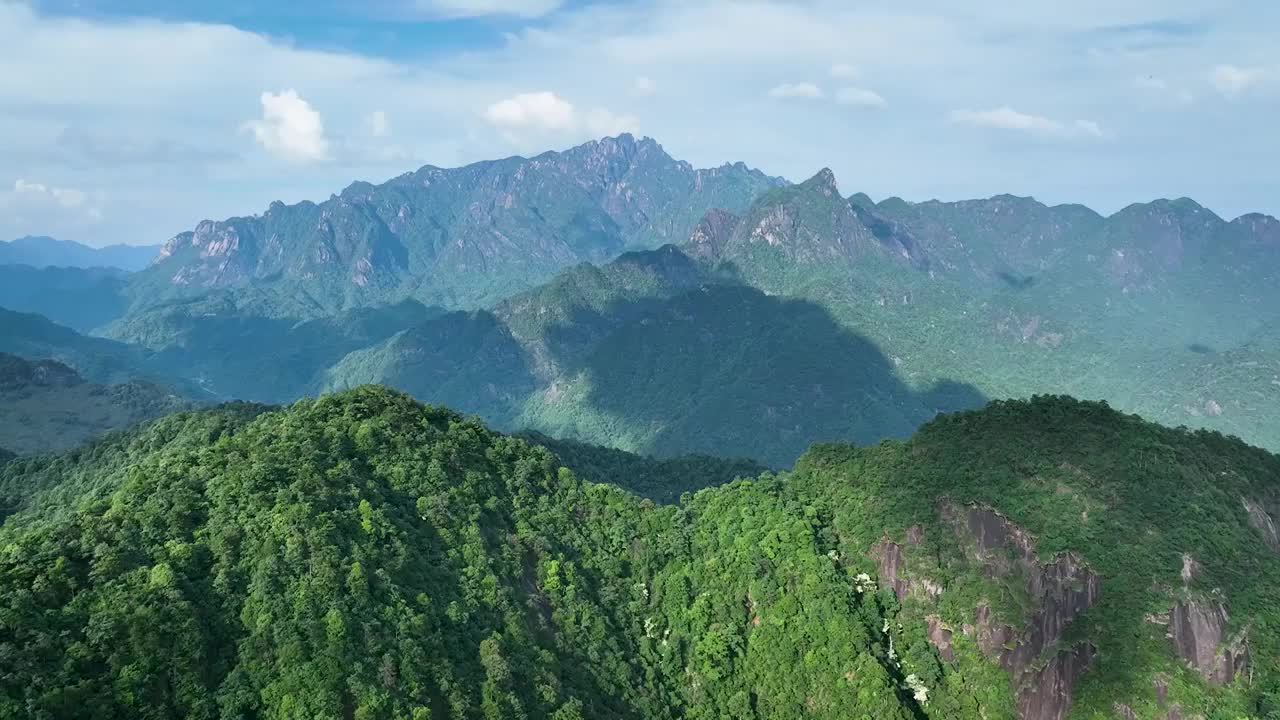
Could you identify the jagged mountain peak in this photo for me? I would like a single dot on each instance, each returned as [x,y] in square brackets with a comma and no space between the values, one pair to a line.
[462,237]
[823,181]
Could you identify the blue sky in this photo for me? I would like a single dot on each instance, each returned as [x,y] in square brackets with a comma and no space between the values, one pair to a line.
[132,120]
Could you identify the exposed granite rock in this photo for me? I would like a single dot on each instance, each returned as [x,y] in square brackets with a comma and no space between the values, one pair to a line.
[1061,590]
[1261,520]
[891,562]
[1198,630]
[711,234]
[940,637]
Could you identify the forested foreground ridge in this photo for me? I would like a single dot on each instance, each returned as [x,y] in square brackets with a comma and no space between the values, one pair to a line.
[365,556]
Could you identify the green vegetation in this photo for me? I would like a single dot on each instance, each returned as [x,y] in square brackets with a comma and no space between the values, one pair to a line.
[652,355]
[46,406]
[459,238]
[235,346]
[363,556]
[661,480]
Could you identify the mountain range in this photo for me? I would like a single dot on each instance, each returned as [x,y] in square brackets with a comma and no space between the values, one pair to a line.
[43,251]
[789,313]
[597,434]
[456,238]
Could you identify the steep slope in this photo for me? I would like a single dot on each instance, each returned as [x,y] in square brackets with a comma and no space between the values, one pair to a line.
[650,354]
[364,556]
[34,336]
[660,480]
[1162,308]
[45,405]
[44,251]
[232,345]
[82,299]
[458,238]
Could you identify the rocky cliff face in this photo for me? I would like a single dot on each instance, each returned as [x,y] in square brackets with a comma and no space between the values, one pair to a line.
[892,566]
[456,237]
[1261,520]
[1044,671]
[712,233]
[806,224]
[1198,629]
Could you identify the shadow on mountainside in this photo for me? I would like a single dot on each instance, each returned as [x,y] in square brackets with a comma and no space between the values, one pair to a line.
[729,370]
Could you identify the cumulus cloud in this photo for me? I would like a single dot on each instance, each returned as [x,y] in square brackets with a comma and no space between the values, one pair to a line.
[843,71]
[540,114]
[290,128]
[36,207]
[543,111]
[708,57]
[376,123]
[804,90]
[480,8]
[860,97]
[1231,80]
[66,197]
[1006,118]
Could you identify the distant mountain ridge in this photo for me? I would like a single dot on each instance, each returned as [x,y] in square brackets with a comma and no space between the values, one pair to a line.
[43,251]
[45,405]
[514,289]
[459,238]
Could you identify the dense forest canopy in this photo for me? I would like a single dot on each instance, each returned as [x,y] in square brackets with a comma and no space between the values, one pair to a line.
[364,556]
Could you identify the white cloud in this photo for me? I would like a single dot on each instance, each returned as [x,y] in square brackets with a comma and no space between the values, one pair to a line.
[804,90]
[1231,80]
[711,59]
[290,128]
[544,111]
[601,122]
[1006,118]
[843,71]
[860,97]
[32,207]
[66,197]
[644,86]
[480,8]
[376,123]
[532,116]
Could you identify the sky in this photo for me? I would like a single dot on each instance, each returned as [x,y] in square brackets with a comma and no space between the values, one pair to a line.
[133,120]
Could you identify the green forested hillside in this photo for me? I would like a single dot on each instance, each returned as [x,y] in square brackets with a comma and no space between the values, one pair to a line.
[235,345]
[363,556]
[655,355]
[459,238]
[662,480]
[45,405]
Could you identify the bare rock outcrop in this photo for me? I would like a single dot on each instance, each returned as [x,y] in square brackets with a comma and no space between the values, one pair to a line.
[940,637]
[1045,674]
[1261,520]
[891,562]
[1198,630]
